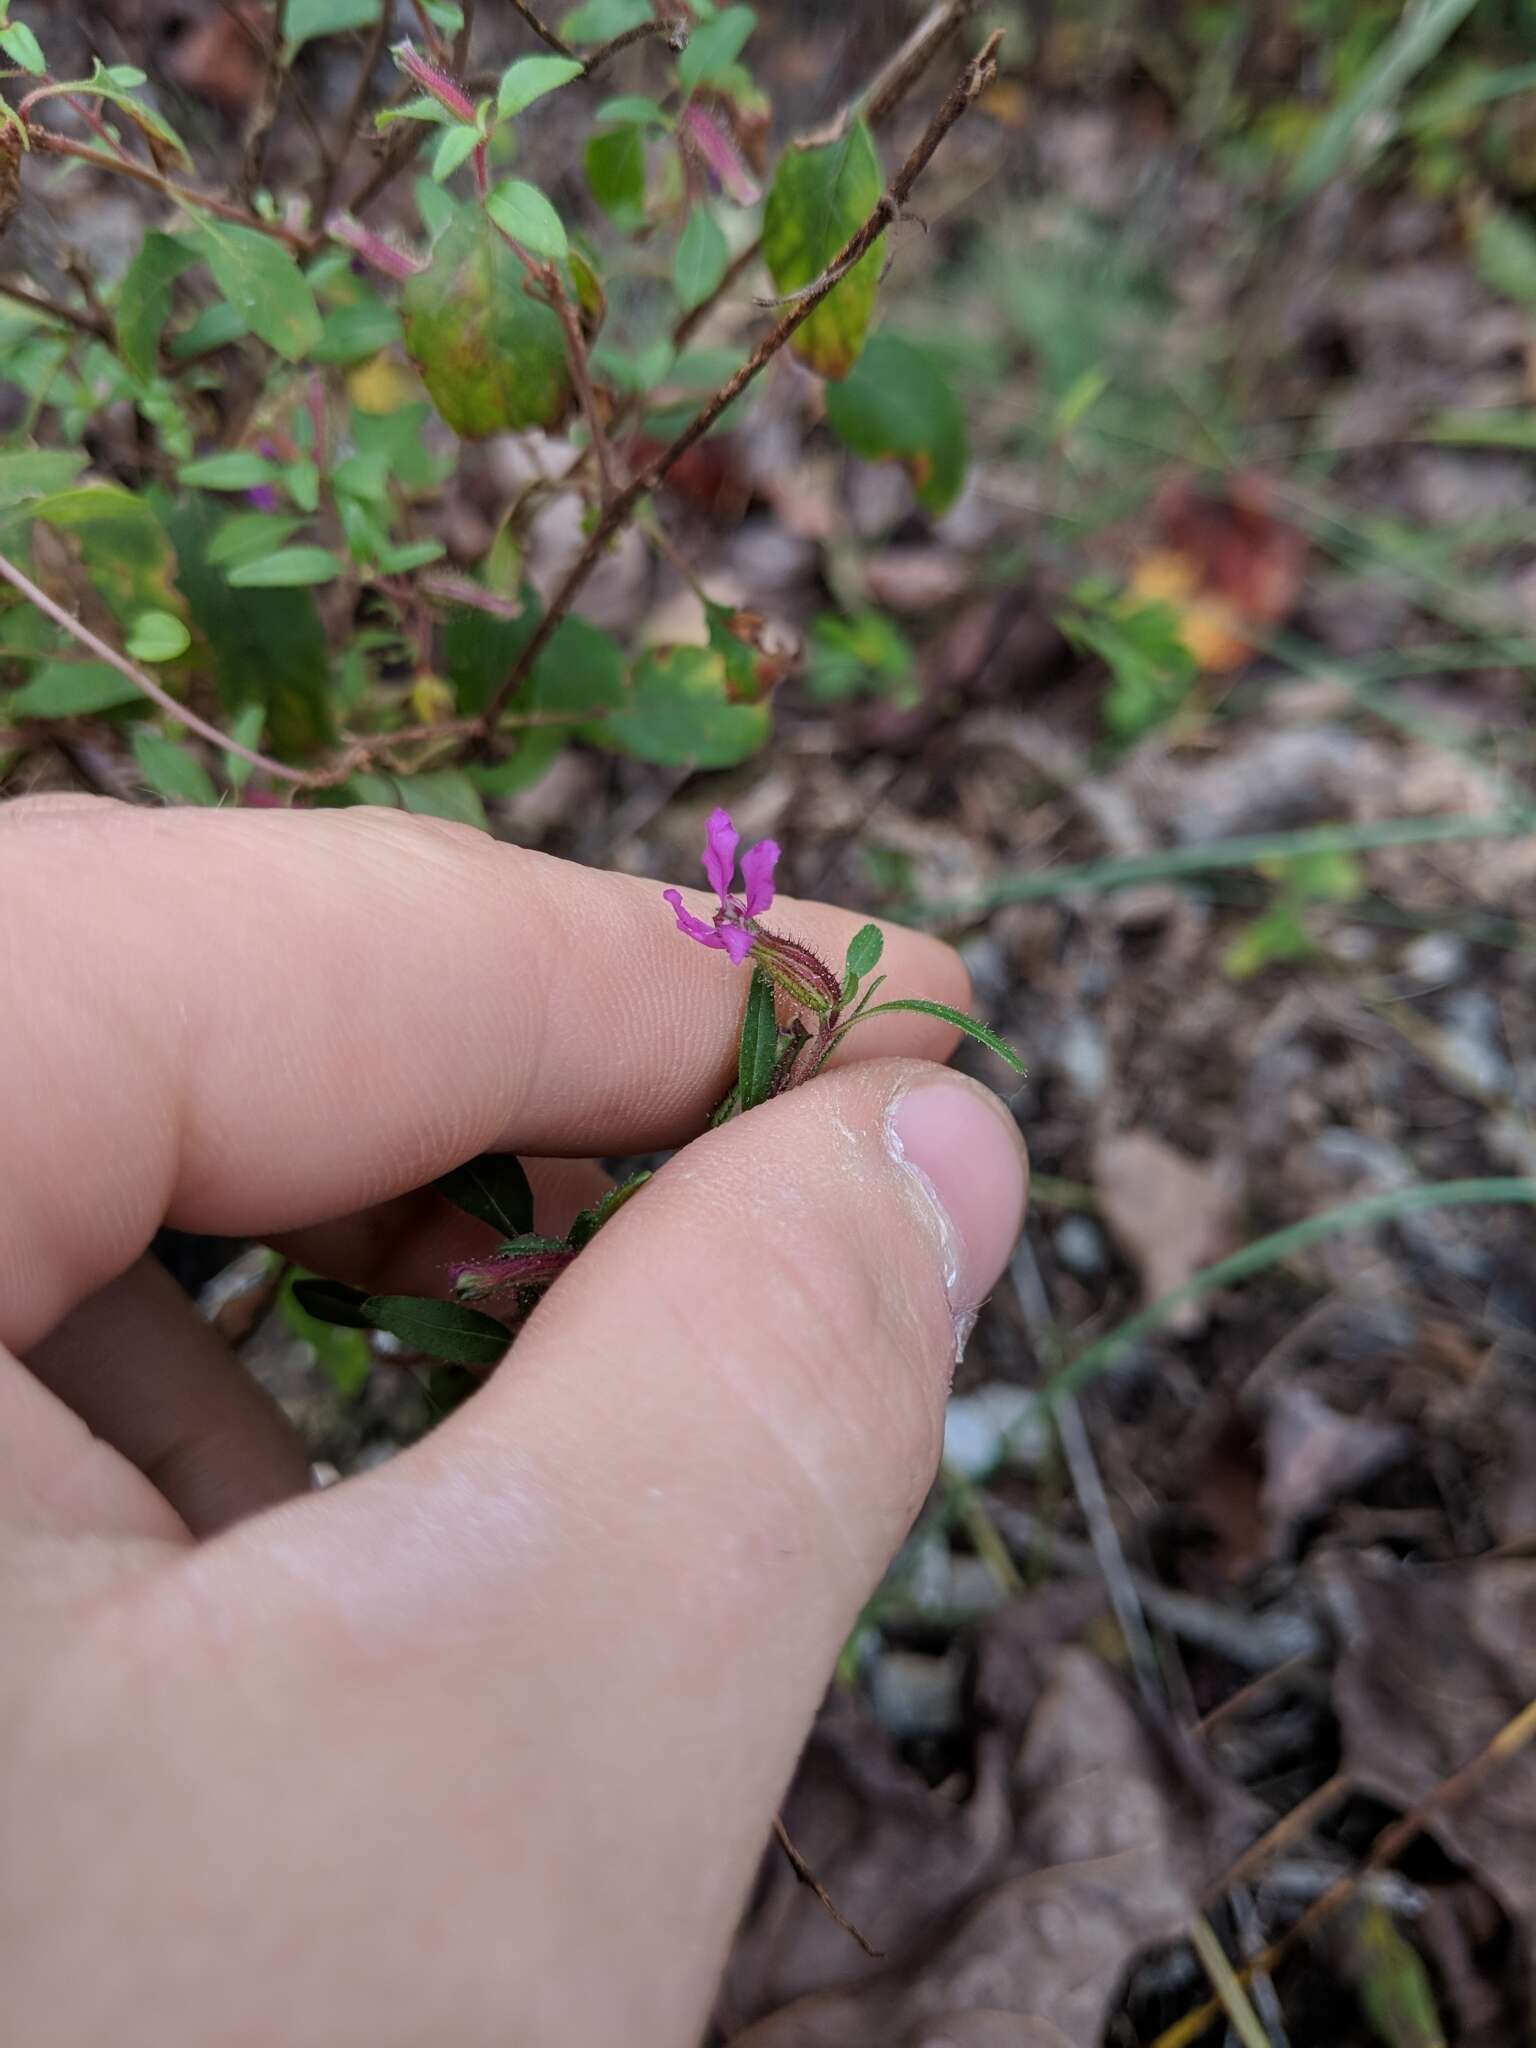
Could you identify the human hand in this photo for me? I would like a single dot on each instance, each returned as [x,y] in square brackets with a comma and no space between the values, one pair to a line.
[482,1746]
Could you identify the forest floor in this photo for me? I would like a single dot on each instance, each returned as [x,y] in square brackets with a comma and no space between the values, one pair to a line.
[1248,547]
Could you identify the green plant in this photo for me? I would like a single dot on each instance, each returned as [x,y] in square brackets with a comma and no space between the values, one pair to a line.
[1151,669]
[256,600]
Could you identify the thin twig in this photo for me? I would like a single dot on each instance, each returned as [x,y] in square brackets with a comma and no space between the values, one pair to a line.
[151,689]
[879,100]
[87,323]
[337,149]
[674,31]
[543,31]
[581,377]
[973,81]
[808,1877]
[410,135]
[1387,1847]
[266,111]
[53,144]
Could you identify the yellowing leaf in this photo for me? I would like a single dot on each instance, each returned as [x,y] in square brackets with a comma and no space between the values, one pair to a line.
[492,357]
[821,194]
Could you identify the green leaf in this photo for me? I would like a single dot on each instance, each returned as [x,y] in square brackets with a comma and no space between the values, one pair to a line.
[73,689]
[866,655]
[144,299]
[597,20]
[700,259]
[439,1329]
[714,46]
[244,536]
[261,280]
[444,793]
[581,671]
[821,194]
[759,1045]
[171,771]
[267,647]
[494,1189]
[1504,254]
[1278,934]
[679,713]
[491,356]
[478,649]
[247,727]
[23,48]
[591,1221]
[332,1301]
[411,554]
[301,480]
[971,1026]
[287,569]
[895,404]
[157,636]
[424,108]
[1419,35]
[633,109]
[306,19]
[354,332]
[38,472]
[529,79]
[457,146]
[215,327]
[241,469]
[122,547]
[522,211]
[615,162]
[341,1350]
[864,950]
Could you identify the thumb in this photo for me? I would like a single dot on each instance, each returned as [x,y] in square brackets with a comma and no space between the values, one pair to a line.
[626,1568]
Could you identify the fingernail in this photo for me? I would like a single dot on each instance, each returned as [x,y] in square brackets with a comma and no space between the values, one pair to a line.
[965,1149]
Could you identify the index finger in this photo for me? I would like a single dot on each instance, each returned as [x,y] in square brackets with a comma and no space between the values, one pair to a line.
[248,1022]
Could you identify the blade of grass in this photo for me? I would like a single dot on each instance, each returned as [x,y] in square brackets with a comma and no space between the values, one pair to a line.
[1246,851]
[1423,31]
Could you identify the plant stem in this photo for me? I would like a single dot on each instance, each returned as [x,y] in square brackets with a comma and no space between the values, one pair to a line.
[151,689]
[266,111]
[87,323]
[337,149]
[53,144]
[973,81]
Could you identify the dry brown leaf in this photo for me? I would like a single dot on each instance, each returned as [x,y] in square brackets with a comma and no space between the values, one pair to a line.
[1436,1660]
[1313,1456]
[1172,1214]
[1118,1831]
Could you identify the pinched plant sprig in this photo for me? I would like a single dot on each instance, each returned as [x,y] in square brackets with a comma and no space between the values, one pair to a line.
[772,1057]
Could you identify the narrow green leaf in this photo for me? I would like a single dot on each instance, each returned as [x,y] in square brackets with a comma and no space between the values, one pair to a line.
[529,79]
[521,211]
[864,950]
[73,689]
[615,163]
[444,793]
[261,280]
[157,636]
[241,469]
[331,1301]
[632,109]
[247,727]
[595,21]
[700,260]
[1503,249]
[820,195]
[245,535]
[969,1025]
[303,20]
[289,568]
[171,771]
[423,109]
[714,46]
[457,146]
[23,48]
[494,1189]
[1420,34]
[144,299]
[759,1043]
[341,1350]
[38,472]
[439,1329]
[412,554]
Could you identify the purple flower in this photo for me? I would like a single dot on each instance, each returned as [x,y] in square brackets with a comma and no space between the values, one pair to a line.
[731,930]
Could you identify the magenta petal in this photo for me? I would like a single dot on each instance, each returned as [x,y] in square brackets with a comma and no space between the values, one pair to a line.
[757,866]
[737,943]
[694,927]
[720,842]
